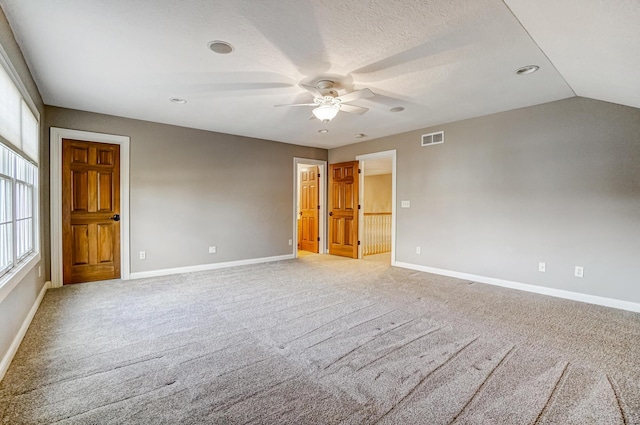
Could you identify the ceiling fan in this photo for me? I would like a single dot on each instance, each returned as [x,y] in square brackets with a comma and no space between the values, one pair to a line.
[327,102]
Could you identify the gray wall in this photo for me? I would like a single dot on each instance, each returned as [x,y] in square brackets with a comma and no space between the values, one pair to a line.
[558,183]
[190,189]
[15,307]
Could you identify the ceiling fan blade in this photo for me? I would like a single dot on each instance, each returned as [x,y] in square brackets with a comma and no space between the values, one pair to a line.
[296,104]
[352,109]
[213,87]
[355,95]
[314,91]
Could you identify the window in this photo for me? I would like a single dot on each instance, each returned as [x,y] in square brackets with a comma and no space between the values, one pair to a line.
[6,223]
[19,142]
[18,180]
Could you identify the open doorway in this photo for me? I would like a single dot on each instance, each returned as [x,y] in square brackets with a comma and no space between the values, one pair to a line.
[378,200]
[309,207]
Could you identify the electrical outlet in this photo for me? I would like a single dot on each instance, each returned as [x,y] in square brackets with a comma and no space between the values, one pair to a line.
[290,242]
[143,255]
[405,204]
[579,271]
[542,267]
[213,250]
[417,250]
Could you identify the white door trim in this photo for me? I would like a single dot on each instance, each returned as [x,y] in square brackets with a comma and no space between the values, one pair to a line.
[57,134]
[362,158]
[322,214]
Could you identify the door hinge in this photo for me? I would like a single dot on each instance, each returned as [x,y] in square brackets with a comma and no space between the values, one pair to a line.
[358,206]
[359,171]
[318,206]
[358,243]
[318,238]
[318,175]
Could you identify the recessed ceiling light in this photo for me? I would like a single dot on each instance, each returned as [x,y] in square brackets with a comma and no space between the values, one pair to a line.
[396,109]
[360,135]
[221,47]
[529,69]
[178,100]
[323,131]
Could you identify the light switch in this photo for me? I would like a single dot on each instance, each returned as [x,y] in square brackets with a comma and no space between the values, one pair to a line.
[406,204]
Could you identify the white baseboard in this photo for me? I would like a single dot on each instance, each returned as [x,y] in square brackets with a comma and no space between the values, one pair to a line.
[559,293]
[13,348]
[212,266]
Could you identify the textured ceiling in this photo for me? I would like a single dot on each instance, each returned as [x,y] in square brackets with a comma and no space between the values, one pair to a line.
[595,45]
[441,60]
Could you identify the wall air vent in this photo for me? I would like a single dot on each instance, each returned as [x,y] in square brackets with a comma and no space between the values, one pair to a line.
[433,138]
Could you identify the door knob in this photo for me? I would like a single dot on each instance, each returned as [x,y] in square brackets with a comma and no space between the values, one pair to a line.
[115,217]
[331,214]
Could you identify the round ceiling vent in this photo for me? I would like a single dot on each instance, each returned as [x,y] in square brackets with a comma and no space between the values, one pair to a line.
[220,47]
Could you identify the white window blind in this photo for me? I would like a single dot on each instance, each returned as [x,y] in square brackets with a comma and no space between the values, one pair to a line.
[29,132]
[10,109]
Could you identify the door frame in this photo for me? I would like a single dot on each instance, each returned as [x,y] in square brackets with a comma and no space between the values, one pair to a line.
[55,175]
[322,213]
[363,158]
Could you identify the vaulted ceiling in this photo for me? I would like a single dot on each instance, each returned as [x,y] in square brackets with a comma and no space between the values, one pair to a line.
[440,60]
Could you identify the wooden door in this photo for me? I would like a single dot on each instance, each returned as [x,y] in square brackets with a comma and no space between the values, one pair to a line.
[343,209]
[90,211]
[309,208]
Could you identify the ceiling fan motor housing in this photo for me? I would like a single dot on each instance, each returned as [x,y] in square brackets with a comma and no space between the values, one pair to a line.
[326,88]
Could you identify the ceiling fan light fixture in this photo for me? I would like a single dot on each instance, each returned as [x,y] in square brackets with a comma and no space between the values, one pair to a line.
[326,113]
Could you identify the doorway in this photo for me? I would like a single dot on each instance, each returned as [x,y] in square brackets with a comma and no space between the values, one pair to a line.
[309,207]
[378,199]
[57,234]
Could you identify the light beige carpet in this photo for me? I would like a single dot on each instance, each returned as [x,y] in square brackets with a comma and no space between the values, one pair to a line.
[321,340]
